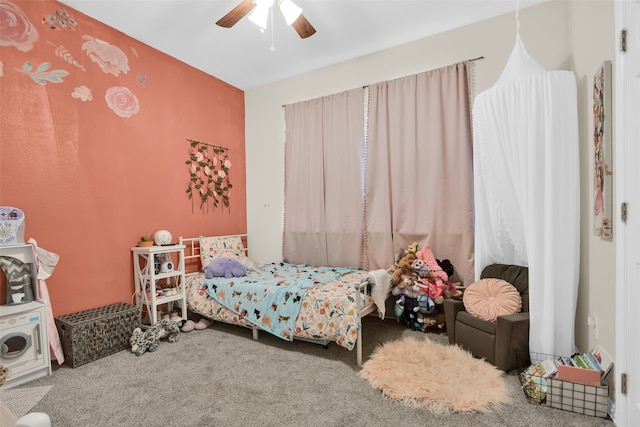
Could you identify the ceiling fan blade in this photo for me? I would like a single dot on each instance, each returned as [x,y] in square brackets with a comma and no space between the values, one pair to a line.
[303,27]
[236,14]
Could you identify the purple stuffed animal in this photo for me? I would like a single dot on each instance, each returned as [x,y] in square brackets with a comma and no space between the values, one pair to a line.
[224,267]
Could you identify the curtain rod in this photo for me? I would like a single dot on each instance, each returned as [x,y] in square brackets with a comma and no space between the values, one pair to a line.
[470,60]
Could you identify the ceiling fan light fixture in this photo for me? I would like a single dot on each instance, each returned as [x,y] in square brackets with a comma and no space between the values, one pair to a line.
[259,16]
[290,11]
[264,3]
[258,12]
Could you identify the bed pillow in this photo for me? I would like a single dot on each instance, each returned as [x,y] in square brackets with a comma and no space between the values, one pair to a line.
[214,247]
[248,263]
[490,298]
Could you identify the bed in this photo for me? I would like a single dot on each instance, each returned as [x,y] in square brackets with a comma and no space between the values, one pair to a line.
[316,304]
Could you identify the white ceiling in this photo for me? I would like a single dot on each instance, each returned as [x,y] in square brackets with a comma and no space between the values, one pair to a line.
[242,56]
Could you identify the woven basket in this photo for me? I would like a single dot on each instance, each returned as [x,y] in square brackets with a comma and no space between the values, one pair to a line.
[4,373]
[96,333]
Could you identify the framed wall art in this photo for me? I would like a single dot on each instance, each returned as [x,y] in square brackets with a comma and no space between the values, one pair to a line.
[602,174]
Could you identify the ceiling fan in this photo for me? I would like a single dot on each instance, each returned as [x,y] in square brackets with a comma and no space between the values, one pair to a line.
[292,14]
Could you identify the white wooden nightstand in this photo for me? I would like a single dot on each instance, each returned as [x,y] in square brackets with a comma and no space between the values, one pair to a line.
[159,279]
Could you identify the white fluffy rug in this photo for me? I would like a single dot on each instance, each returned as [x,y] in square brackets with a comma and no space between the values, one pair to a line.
[436,377]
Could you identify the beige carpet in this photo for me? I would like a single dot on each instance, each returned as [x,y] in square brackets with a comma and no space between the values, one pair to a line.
[439,378]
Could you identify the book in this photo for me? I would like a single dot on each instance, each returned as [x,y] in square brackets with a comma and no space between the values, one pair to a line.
[578,361]
[606,362]
[590,365]
[587,362]
[589,358]
[549,368]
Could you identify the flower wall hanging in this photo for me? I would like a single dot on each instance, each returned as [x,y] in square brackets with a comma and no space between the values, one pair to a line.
[209,174]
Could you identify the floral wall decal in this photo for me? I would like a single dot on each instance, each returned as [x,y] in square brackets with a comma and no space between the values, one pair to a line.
[109,58]
[60,20]
[15,28]
[81,153]
[67,56]
[209,174]
[83,93]
[41,76]
[122,101]
[142,79]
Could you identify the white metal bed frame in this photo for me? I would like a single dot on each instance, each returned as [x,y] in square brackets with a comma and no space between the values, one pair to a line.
[192,253]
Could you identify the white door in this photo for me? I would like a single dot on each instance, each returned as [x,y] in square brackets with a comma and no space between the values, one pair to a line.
[628,233]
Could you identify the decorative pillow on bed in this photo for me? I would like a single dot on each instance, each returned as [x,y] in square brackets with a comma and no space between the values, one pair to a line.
[490,298]
[214,247]
[248,263]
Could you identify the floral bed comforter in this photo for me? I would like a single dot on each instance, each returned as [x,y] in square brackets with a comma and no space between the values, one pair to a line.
[327,311]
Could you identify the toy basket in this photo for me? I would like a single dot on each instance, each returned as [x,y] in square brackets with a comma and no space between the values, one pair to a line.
[92,334]
[4,374]
[566,395]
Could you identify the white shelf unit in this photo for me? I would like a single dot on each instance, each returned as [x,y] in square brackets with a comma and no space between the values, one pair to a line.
[148,280]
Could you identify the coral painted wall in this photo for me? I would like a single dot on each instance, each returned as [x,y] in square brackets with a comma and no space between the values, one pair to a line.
[93,144]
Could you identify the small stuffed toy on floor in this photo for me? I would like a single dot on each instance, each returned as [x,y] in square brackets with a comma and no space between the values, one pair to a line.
[224,267]
[148,340]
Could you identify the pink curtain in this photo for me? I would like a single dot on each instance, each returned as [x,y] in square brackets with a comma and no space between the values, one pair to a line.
[419,168]
[324,210]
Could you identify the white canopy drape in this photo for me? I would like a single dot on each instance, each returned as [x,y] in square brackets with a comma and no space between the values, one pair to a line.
[526,189]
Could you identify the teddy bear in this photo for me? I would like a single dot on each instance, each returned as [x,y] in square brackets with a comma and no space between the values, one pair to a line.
[433,289]
[398,307]
[412,320]
[428,323]
[403,267]
[438,277]
[447,267]
[224,267]
[421,268]
[425,305]
[407,286]
[412,248]
[148,340]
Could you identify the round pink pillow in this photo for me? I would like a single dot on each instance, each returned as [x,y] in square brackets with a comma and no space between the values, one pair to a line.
[490,298]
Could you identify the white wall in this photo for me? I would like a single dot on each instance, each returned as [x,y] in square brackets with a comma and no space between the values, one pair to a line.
[546,31]
[593,41]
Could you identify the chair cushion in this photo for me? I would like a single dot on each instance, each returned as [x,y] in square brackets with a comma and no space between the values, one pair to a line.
[517,275]
[490,298]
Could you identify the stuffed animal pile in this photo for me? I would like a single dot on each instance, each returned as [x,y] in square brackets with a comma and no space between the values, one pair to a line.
[421,283]
[148,340]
